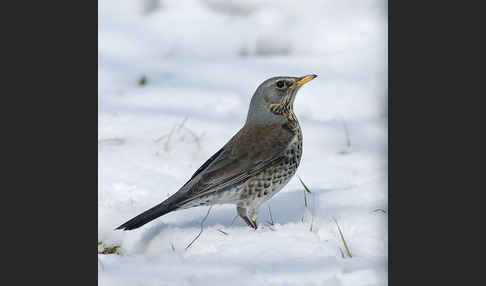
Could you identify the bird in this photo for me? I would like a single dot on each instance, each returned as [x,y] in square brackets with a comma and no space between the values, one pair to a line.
[253,166]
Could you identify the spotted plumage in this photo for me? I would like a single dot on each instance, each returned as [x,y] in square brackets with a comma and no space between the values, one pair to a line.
[257,162]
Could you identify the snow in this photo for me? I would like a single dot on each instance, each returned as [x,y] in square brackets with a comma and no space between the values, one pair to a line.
[203,60]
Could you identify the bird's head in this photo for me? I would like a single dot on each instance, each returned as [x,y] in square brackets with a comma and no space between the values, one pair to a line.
[274,99]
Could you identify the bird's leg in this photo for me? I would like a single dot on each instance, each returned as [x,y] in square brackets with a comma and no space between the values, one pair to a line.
[253,216]
[242,213]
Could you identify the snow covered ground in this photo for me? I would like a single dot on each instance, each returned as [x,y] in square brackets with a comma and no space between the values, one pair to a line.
[203,60]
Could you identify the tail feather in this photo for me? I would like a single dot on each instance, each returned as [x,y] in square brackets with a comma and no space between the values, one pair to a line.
[147,216]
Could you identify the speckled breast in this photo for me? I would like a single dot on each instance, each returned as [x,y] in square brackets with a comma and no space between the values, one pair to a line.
[270,181]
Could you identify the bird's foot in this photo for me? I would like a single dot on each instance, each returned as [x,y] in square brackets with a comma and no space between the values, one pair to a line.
[254,224]
[249,222]
[242,213]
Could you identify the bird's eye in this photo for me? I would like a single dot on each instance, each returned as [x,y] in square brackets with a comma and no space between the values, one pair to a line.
[280,83]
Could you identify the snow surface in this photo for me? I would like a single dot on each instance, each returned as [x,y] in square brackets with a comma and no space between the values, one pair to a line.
[203,60]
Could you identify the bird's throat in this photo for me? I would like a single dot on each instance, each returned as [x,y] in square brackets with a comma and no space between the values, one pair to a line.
[287,111]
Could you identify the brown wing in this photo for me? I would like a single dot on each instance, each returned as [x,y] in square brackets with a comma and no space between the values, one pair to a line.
[250,151]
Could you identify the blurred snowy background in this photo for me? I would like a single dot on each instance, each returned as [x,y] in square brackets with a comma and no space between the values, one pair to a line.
[175,81]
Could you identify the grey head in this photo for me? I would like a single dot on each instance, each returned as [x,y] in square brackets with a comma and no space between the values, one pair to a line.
[273,98]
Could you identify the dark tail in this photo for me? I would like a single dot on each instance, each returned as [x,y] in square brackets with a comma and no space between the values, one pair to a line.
[147,216]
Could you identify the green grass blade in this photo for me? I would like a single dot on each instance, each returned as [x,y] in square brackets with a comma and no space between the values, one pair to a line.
[348,252]
[305,187]
[142,81]
[342,253]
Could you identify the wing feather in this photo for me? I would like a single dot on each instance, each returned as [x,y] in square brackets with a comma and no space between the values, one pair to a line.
[249,152]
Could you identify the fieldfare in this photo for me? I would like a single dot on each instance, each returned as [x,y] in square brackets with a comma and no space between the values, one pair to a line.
[253,166]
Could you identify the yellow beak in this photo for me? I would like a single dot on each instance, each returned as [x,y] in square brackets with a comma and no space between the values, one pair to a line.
[305,79]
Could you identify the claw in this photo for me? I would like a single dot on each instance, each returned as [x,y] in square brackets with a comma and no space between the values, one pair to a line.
[255,226]
[242,213]
[249,222]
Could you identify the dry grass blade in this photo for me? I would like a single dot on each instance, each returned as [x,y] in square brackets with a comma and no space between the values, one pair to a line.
[233,221]
[182,123]
[110,250]
[305,201]
[223,232]
[181,130]
[348,140]
[347,149]
[271,222]
[196,138]
[112,141]
[312,223]
[201,231]
[166,144]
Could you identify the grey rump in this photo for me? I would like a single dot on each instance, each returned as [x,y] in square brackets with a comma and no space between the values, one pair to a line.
[253,166]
